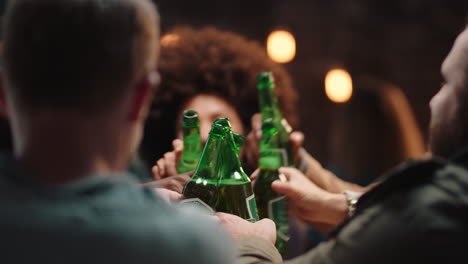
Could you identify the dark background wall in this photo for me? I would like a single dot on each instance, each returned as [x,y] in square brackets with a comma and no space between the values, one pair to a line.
[402,41]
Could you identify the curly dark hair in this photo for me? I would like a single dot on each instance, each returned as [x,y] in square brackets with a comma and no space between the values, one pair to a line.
[210,61]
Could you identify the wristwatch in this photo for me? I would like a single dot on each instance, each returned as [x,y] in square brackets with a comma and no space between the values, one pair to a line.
[352,198]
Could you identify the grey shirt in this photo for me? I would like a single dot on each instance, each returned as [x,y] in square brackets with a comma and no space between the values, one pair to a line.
[101,219]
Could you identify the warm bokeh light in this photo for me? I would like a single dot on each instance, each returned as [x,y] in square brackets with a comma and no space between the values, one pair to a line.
[169,39]
[281,46]
[338,85]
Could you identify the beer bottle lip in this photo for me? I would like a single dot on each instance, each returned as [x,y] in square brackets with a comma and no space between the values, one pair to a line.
[265,76]
[265,80]
[190,119]
[224,122]
[190,114]
[219,130]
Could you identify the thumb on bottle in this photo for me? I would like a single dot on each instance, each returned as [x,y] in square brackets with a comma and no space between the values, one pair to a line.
[297,139]
[177,145]
[281,187]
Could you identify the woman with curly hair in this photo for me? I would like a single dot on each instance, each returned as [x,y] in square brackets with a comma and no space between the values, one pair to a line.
[213,72]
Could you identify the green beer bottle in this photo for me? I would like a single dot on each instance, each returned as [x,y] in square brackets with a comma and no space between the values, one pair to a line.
[275,152]
[238,138]
[192,142]
[239,141]
[235,193]
[202,189]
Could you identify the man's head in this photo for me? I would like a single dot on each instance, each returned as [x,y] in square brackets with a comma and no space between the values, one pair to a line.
[449,107]
[77,55]
[82,70]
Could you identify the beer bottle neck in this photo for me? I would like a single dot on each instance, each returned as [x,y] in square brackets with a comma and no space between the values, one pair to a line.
[238,141]
[208,167]
[192,140]
[268,103]
[232,168]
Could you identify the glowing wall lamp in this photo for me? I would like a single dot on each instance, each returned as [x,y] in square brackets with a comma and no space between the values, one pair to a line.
[281,46]
[338,85]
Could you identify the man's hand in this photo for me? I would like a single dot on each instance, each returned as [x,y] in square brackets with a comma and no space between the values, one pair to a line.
[174,183]
[168,195]
[254,176]
[167,165]
[238,227]
[252,140]
[308,202]
[254,136]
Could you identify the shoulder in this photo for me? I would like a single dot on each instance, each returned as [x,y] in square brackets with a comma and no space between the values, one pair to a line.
[420,214]
[422,187]
[163,232]
[424,190]
[175,236]
[114,221]
[152,229]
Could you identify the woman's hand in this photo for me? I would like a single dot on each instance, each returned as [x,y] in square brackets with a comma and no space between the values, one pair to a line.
[251,148]
[174,183]
[167,165]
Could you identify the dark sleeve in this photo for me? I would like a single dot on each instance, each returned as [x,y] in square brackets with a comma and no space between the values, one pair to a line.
[391,232]
[256,250]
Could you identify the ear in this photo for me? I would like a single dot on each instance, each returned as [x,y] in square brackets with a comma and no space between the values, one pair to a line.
[143,96]
[3,104]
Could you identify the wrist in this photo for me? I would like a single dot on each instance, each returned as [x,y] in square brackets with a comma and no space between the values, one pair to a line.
[352,198]
[265,229]
[336,207]
[303,162]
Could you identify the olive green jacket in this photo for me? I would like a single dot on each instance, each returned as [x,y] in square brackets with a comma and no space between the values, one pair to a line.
[418,214]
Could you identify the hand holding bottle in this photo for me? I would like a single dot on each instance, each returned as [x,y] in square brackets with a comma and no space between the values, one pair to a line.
[167,165]
[309,202]
[238,227]
[322,177]
[255,134]
[168,195]
[174,183]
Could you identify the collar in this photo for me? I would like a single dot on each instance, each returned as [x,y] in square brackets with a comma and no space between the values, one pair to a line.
[461,157]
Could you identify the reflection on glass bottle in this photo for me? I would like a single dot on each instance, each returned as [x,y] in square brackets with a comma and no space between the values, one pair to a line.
[219,182]
[202,189]
[192,142]
[235,188]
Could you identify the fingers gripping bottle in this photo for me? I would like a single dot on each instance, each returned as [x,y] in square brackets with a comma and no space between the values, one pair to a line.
[192,142]
[275,152]
[235,192]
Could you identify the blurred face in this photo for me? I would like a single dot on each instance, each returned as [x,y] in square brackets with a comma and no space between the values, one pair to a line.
[209,108]
[448,109]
